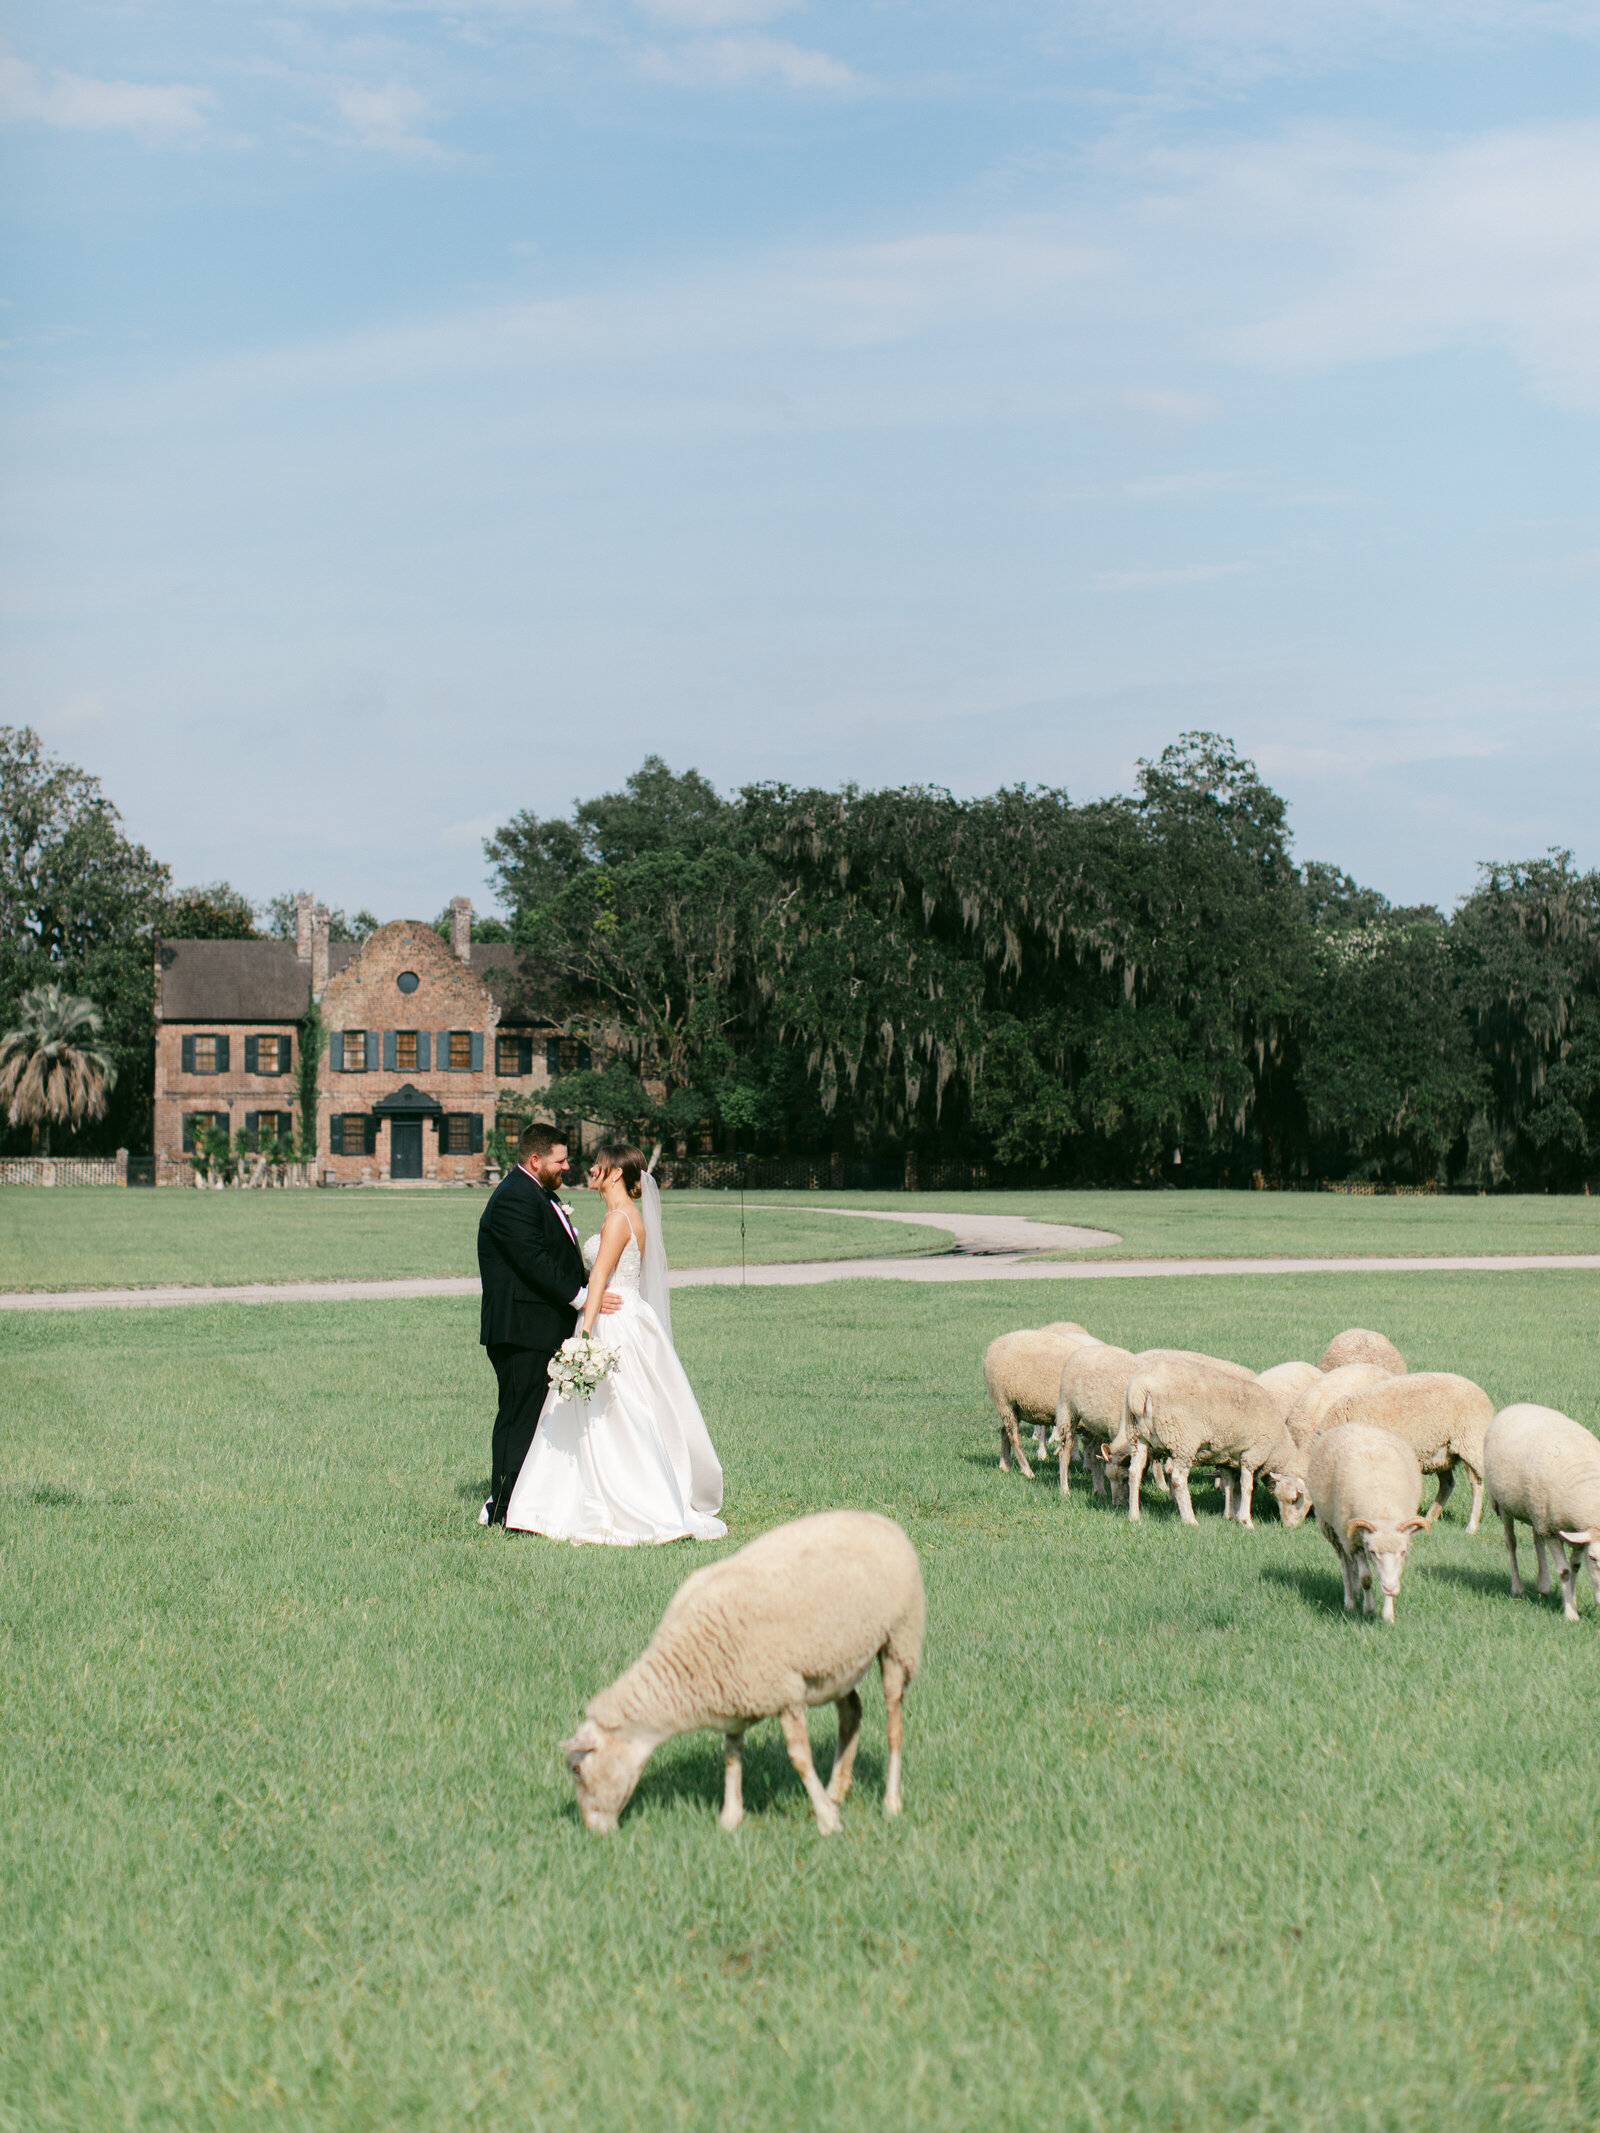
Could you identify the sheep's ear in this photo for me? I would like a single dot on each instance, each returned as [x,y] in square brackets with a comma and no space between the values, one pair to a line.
[1577,1540]
[583,1742]
[1353,1526]
[1413,1525]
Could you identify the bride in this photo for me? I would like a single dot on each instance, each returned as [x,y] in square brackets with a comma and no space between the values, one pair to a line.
[634,1461]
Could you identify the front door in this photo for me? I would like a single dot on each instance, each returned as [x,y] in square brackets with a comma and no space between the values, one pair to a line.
[405,1148]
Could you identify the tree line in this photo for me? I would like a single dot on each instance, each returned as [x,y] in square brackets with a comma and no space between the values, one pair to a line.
[1134,990]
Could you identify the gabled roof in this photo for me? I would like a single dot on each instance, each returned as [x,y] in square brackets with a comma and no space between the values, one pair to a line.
[233,981]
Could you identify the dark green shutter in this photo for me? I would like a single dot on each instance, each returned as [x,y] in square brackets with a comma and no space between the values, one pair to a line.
[388,1051]
[583,1059]
[372,1134]
[552,1056]
[524,1055]
[336,1051]
[475,1135]
[188,1068]
[252,1055]
[443,1053]
[424,1051]
[477,1051]
[336,1134]
[252,1130]
[222,1055]
[188,1133]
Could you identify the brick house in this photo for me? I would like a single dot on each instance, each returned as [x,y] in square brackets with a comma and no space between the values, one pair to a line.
[425,1041]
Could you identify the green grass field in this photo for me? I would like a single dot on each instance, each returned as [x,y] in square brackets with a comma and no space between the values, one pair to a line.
[1248,1225]
[104,1239]
[286,1839]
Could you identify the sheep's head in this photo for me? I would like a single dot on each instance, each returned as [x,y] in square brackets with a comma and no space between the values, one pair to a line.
[605,1768]
[1385,1548]
[1292,1495]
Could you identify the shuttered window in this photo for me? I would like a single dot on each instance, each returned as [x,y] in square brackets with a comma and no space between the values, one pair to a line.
[405,1051]
[196,1122]
[513,1056]
[565,1055]
[355,1051]
[352,1133]
[266,1055]
[460,1051]
[455,1134]
[205,1054]
[260,1126]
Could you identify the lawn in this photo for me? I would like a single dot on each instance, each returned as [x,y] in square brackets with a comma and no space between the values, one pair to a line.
[97,1239]
[286,1839]
[1272,1225]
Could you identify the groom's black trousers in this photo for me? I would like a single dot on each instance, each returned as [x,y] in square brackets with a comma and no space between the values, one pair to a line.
[523,1375]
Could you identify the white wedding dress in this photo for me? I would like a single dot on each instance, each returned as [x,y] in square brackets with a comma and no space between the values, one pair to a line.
[633,1463]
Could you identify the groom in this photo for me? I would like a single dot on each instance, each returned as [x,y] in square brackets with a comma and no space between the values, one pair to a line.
[533,1288]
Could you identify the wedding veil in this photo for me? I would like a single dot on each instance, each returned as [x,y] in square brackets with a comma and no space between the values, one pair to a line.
[653,1275]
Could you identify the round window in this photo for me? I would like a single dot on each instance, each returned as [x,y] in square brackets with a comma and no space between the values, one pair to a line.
[407,981]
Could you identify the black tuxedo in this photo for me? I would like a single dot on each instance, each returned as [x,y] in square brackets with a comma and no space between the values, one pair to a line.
[531,1269]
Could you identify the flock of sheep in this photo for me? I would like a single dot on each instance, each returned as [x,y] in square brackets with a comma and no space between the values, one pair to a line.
[1347,1439]
[796,1618]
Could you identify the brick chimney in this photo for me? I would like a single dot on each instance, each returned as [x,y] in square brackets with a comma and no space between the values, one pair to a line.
[302,928]
[461,927]
[319,950]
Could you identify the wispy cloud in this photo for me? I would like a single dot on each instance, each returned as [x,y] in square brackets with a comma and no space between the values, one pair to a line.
[1121,581]
[81,104]
[715,14]
[386,120]
[729,62]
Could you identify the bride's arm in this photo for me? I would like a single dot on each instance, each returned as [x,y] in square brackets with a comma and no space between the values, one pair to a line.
[614,1234]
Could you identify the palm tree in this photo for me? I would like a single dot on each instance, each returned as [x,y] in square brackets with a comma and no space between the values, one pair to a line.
[52,1069]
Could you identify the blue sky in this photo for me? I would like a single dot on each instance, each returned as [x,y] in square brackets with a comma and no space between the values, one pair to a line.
[416,413]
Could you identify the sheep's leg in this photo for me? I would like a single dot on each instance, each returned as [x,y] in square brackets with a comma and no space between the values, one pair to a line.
[1225,1483]
[1156,1475]
[1477,1500]
[732,1780]
[849,1709]
[1347,1566]
[1368,1604]
[1141,1452]
[894,1688]
[1180,1493]
[1038,1440]
[1541,1552]
[1065,1446]
[1567,1570]
[1447,1483]
[1247,1489]
[798,1742]
[1594,1577]
[1011,1446]
[1510,1526]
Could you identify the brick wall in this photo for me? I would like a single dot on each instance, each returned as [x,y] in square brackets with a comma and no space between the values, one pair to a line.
[232,1091]
[367,996]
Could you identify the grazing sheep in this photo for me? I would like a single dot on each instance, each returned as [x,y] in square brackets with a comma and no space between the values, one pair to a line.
[1365,1486]
[1089,1404]
[1200,1412]
[1092,1401]
[1306,1420]
[1541,1466]
[1290,1377]
[1441,1416]
[794,1618]
[1359,1344]
[1023,1373]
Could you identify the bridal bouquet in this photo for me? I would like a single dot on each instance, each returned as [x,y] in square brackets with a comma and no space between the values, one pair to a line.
[579,1365]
